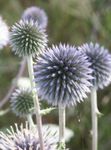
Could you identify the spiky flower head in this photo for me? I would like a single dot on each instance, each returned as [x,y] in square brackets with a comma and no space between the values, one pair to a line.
[61,75]
[26,139]
[27,38]
[100,60]
[22,102]
[36,14]
[4,33]
[55,128]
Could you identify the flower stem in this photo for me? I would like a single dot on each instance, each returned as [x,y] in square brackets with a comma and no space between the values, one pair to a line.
[31,123]
[94,109]
[36,101]
[62,127]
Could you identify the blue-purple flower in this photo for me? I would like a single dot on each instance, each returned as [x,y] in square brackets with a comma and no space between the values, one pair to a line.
[100,60]
[26,139]
[62,75]
[37,15]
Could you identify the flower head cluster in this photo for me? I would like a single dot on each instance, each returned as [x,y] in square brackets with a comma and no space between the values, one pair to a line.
[4,33]
[62,75]
[26,139]
[37,15]
[22,102]
[100,60]
[27,38]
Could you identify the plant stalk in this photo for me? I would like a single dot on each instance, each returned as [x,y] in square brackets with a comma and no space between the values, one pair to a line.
[36,101]
[30,120]
[94,113]
[62,127]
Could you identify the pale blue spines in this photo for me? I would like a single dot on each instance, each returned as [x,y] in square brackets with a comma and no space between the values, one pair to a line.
[62,75]
[22,103]
[100,60]
[27,38]
[24,138]
[37,15]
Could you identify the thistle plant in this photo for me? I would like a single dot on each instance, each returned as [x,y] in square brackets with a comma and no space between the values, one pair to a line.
[37,15]
[100,60]
[4,33]
[22,104]
[62,77]
[55,128]
[26,139]
[28,39]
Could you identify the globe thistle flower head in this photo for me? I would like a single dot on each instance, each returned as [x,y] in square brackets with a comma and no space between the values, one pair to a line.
[100,60]
[61,75]
[22,102]
[27,38]
[55,128]
[4,33]
[26,139]
[36,14]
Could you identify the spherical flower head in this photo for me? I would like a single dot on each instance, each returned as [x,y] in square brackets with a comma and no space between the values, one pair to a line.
[22,102]
[26,139]
[100,60]
[36,14]
[55,128]
[27,38]
[61,75]
[4,33]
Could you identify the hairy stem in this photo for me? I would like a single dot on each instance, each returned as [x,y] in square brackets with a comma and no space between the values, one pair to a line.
[36,101]
[62,127]
[94,109]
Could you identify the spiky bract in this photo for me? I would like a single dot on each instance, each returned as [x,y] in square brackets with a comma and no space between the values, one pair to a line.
[22,102]
[27,38]
[62,74]
[4,33]
[100,60]
[36,14]
[26,139]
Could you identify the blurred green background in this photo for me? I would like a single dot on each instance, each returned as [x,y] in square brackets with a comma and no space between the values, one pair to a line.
[74,22]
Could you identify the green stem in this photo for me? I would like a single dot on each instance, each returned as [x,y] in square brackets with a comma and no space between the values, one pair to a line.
[31,123]
[36,101]
[62,127]
[94,109]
